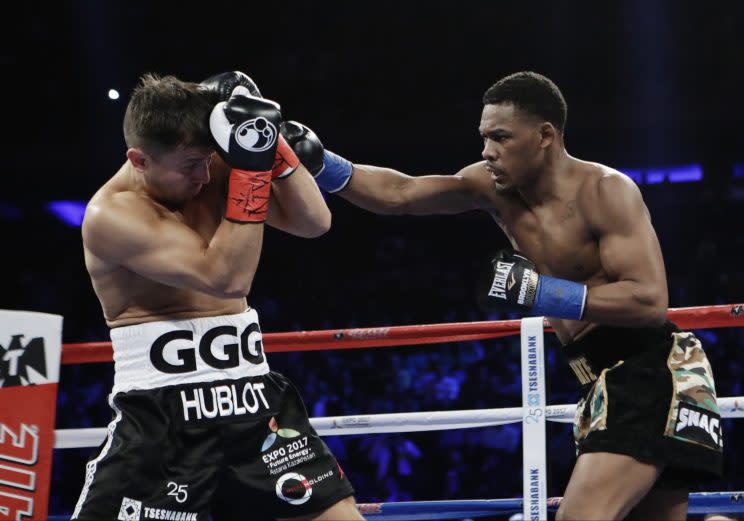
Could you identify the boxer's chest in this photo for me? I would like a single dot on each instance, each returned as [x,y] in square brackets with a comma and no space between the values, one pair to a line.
[556,238]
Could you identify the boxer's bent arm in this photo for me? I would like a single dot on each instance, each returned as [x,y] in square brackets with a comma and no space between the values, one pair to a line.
[297,206]
[125,231]
[387,191]
[629,252]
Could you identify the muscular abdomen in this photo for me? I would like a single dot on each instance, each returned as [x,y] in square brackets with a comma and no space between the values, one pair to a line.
[128,299]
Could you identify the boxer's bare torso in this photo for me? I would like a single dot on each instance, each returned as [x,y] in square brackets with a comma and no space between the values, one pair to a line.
[130,298]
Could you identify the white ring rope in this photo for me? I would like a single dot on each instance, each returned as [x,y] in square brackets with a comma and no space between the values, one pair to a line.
[731,407]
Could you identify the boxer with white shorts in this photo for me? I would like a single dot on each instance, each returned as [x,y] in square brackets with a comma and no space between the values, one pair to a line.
[202,428]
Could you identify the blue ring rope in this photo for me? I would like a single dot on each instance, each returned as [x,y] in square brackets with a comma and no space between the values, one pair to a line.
[700,503]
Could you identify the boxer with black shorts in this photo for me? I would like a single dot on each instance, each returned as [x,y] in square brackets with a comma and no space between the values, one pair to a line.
[202,428]
[585,255]
[649,394]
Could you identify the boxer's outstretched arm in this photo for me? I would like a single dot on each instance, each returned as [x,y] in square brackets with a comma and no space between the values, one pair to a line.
[387,191]
[629,253]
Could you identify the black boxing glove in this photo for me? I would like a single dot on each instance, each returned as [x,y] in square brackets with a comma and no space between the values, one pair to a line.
[305,143]
[330,171]
[245,130]
[515,283]
[220,86]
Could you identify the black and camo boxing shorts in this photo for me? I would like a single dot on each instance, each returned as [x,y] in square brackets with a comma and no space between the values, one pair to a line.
[203,430]
[649,394]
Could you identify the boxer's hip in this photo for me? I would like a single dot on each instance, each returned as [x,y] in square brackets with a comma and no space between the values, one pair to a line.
[190,351]
[605,346]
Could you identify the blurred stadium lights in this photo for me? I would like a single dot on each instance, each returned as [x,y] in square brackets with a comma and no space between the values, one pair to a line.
[69,212]
[673,174]
[738,170]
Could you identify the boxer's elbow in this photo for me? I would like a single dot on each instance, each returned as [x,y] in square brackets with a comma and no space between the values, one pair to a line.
[227,282]
[654,304]
[321,223]
[657,315]
[315,225]
[233,289]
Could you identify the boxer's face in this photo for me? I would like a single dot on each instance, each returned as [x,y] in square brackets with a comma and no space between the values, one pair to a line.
[179,175]
[511,146]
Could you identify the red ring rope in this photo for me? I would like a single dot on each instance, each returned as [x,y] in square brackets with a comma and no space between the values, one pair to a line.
[726,315]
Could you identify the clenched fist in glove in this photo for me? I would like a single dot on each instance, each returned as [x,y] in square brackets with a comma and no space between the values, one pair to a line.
[516,284]
[245,129]
[331,171]
[221,86]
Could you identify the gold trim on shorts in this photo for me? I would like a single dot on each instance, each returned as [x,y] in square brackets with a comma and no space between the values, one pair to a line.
[596,420]
[581,369]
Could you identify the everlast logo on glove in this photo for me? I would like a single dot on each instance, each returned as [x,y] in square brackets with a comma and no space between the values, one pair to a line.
[506,276]
[168,358]
[501,272]
[512,282]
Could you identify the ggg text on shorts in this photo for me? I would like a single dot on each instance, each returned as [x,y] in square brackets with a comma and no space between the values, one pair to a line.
[175,352]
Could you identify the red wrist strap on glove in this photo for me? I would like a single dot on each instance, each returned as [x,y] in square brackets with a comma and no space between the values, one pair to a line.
[248,196]
[285,161]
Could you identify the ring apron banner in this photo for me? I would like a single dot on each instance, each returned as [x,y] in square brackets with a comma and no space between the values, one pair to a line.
[30,349]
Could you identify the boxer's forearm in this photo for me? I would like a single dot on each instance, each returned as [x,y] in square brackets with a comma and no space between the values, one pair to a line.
[298,207]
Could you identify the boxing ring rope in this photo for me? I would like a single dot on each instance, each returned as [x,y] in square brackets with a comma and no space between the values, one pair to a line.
[728,315]
[731,315]
[731,407]
[700,503]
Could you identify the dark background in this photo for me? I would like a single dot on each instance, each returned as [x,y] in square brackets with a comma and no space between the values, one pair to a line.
[399,84]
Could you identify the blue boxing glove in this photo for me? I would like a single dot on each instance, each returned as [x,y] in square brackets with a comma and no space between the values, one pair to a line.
[331,171]
[515,283]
